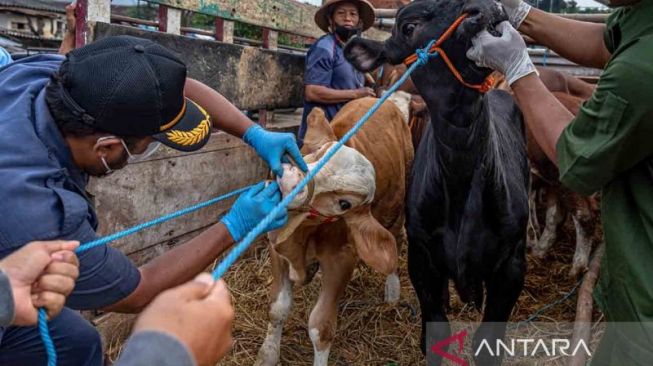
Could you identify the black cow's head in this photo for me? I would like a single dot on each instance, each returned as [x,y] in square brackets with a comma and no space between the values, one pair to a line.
[422,21]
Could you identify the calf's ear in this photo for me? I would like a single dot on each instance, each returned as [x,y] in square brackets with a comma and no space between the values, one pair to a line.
[365,54]
[374,244]
[318,132]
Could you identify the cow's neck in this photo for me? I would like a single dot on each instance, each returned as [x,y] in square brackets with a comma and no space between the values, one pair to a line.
[459,129]
[456,113]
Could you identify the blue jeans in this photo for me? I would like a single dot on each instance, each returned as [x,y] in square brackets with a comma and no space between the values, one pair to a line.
[77,343]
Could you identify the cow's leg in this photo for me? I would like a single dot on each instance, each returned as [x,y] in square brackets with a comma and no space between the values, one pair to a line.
[584,223]
[392,284]
[281,297]
[533,223]
[554,217]
[337,268]
[503,290]
[392,289]
[429,286]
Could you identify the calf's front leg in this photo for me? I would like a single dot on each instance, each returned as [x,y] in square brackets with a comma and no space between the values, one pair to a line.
[337,269]
[281,301]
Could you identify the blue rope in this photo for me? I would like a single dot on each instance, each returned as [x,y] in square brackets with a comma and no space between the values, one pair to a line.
[158,221]
[43,320]
[423,56]
[231,258]
[47,340]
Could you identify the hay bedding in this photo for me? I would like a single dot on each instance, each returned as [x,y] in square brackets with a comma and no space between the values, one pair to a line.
[371,332]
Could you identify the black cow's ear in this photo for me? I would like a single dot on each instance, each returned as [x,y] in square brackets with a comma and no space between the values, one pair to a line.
[472,25]
[365,54]
[480,15]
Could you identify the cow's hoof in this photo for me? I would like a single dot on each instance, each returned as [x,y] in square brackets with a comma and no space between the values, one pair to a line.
[266,359]
[392,289]
[542,247]
[578,269]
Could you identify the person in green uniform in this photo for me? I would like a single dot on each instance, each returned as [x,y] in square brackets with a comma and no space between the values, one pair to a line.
[608,147]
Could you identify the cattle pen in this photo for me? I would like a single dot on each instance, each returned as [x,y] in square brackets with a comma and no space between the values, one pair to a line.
[265,78]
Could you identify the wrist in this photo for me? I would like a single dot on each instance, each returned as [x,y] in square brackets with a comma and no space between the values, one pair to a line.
[520,69]
[7,305]
[524,84]
[251,133]
[519,13]
[232,228]
[354,94]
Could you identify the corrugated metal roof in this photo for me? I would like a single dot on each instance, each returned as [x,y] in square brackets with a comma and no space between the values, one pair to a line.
[56,6]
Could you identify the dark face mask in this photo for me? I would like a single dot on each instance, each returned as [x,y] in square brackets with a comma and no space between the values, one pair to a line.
[345,33]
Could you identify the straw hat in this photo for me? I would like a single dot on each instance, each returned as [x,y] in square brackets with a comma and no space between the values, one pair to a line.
[323,15]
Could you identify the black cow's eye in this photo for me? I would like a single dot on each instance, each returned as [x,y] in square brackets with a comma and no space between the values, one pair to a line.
[408,29]
[344,205]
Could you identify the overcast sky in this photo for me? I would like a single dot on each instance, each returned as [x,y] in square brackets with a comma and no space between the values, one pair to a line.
[581,3]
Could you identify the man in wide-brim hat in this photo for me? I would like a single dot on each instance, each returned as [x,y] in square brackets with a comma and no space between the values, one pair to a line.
[330,80]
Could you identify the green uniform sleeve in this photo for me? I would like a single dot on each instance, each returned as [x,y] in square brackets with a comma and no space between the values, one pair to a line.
[613,131]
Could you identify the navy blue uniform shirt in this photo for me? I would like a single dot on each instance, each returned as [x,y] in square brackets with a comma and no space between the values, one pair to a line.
[43,194]
[326,65]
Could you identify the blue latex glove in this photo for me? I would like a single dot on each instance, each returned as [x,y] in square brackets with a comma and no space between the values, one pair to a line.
[252,207]
[5,57]
[272,146]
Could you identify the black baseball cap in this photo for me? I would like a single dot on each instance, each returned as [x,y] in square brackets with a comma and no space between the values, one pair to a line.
[130,86]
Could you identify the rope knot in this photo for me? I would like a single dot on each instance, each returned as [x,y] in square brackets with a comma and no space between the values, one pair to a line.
[423,54]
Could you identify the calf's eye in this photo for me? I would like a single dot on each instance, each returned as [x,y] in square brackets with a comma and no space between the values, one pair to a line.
[344,205]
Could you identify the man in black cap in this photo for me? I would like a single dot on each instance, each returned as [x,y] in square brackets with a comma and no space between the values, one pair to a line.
[90,113]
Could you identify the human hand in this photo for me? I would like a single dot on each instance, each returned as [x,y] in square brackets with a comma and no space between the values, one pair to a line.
[252,207]
[364,92]
[273,146]
[70,17]
[516,10]
[41,274]
[506,54]
[199,314]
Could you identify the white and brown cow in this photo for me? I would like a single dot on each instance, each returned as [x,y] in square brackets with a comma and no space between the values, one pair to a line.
[354,209]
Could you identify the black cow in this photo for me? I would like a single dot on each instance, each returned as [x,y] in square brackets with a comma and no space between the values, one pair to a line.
[467,205]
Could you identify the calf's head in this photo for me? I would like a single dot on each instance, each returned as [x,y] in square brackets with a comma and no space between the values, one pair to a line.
[422,21]
[343,190]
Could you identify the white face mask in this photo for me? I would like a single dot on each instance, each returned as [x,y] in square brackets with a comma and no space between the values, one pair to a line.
[149,151]
[133,158]
[106,166]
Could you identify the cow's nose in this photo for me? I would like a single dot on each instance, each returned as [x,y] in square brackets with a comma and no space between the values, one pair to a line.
[291,177]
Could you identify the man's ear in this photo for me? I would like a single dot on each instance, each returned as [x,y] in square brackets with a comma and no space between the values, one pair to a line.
[103,145]
[374,244]
[365,54]
[318,132]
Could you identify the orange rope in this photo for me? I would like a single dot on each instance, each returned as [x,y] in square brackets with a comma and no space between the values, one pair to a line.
[482,88]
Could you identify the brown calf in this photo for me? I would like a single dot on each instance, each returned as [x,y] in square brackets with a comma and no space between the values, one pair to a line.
[355,209]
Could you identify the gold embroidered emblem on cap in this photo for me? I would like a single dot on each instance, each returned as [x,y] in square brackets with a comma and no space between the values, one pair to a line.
[192,137]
